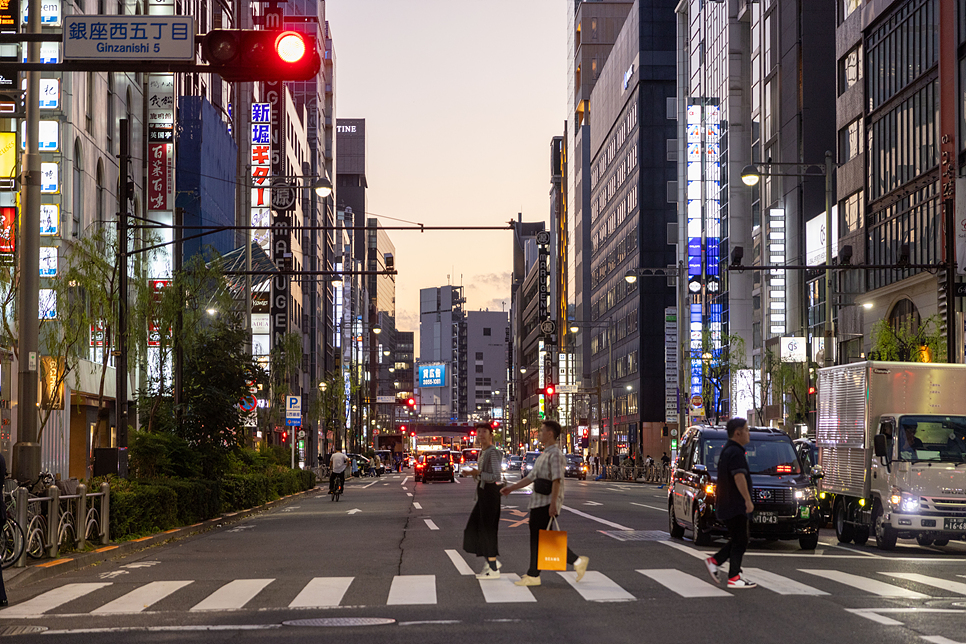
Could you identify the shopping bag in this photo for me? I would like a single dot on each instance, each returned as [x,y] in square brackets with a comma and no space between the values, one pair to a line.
[552,548]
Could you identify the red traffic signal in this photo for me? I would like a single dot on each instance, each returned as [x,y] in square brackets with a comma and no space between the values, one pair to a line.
[284,437]
[549,390]
[402,428]
[261,55]
[410,402]
[494,424]
[472,432]
[412,434]
[812,390]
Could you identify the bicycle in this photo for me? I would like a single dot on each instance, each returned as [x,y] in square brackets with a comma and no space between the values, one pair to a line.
[337,492]
[11,539]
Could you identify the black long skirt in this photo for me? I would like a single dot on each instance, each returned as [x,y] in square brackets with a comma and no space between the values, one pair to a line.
[480,535]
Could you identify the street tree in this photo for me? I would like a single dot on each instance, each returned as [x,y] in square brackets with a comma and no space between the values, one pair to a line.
[909,340]
[719,363]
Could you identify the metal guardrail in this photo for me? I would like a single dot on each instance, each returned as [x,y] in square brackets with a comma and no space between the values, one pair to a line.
[57,521]
[650,474]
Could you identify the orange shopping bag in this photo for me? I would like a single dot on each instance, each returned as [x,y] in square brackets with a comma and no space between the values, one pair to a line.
[552,548]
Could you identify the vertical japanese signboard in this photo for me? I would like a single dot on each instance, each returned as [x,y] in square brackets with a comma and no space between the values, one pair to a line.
[261,169]
[281,238]
[671,364]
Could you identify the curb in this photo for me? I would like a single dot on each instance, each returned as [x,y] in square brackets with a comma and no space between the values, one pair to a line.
[52,568]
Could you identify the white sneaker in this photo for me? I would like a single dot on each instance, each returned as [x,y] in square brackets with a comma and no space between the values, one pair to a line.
[486,566]
[580,566]
[489,573]
[713,569]
[740,582]
[527,580]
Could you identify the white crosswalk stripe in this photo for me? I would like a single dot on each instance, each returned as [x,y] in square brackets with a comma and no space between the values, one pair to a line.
[322,592]
[868,585]
[234,594]
[141,598]
[329,592]
[684,584]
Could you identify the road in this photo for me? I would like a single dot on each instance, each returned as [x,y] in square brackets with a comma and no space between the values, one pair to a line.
[389,552]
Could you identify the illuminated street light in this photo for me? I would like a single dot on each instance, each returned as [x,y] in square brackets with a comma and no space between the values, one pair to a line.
[750,175]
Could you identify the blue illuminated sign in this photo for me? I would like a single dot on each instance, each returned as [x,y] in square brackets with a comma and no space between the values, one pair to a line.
[432,375]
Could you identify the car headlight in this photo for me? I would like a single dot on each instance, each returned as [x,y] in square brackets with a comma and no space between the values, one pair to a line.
[805,494]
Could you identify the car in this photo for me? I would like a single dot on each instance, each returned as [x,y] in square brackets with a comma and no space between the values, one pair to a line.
[576,467]
[469,460]
[514,464]
[786,502]
[528,462]
[438,466]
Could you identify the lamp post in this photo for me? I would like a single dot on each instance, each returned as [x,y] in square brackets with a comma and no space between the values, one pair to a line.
[752,174]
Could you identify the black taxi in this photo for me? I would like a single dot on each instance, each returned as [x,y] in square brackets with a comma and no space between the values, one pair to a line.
[784,495]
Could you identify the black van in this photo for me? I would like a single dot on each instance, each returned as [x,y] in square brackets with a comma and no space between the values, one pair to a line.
[784,495]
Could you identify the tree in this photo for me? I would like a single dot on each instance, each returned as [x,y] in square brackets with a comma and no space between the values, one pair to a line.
[284,359]
[908,341]
[719,363]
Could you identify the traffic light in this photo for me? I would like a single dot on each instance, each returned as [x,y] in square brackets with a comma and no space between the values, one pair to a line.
[402,428]
[549,390]
[494,424]
[284,438]
[261,55]
[472,432]
[411,403]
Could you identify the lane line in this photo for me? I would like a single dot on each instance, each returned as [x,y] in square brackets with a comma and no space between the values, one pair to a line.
[954,586]
[166,629]
[503,590]
[683,584]
[370,485]
[51,599]
[412,589]
[234,594]
[417,506]
[597,519]
[649,506]
[322,592]
[409,493]
[432,526]
[404,480]
[459,562]
[868,585]
[596,587]
[140,598]
[781,585]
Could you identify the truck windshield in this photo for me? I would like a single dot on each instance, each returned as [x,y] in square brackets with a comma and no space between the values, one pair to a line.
[932,438]
[768,457]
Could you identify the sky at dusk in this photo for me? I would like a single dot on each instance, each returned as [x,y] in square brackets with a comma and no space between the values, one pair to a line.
[461,100]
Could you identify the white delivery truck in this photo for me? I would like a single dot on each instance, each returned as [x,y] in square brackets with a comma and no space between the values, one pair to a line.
[891,442]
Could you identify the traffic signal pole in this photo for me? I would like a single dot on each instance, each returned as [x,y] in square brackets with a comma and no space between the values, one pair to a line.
[26,451]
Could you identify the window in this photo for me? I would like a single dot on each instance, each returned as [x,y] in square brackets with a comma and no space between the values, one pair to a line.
[850,141]
[486,330]
[77,200]
[847,8]
[851,209]
[479,368]
[850,69]
[479,355]
[90,102]
[903,47]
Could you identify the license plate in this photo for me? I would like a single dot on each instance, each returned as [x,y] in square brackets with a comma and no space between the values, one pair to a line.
[958,525]
[437,469]
[765,518]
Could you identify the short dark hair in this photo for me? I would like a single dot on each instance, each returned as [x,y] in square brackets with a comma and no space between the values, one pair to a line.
[485,426]
[734,425]
[554,427]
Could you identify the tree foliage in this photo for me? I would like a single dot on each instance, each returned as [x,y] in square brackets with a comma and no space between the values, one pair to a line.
[908,341]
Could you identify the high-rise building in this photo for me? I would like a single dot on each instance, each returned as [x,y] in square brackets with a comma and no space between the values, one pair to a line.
[628,215]
[527,375]
[487,333]
[442,343]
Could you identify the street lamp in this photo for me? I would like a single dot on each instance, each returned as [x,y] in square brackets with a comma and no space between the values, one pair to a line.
[322,187]
[752,174]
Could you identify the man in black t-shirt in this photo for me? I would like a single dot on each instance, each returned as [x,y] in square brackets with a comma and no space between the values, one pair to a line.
[733,503]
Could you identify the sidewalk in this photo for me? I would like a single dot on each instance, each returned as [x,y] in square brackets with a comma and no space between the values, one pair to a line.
[47,568]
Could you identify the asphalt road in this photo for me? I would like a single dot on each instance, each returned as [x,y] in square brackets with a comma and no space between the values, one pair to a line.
[390,551]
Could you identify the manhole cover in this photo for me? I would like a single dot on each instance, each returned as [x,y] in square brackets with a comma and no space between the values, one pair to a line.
[340,621]
[637,535]
[21,630]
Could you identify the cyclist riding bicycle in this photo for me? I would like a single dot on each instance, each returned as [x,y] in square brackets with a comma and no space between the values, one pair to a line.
[337,464]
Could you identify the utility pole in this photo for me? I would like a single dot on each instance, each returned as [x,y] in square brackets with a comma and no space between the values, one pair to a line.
[120,362]
[26,452]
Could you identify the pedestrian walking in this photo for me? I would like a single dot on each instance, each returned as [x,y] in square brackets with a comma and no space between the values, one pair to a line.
[733,504]
[480,535]
[546,500]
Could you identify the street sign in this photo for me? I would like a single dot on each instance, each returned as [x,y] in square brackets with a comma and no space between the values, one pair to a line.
[147,38]
[293,407]
[301,433]
[248,403]
[385,400]
[566,389]
[293,422]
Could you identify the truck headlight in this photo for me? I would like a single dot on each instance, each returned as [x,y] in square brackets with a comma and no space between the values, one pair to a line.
[903,501]
[805,494]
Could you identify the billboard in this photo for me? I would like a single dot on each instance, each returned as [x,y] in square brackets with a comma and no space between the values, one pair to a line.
[432,375]
[815,238]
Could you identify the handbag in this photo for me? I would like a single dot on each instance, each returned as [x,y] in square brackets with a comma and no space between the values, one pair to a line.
[543,486]
[552,548]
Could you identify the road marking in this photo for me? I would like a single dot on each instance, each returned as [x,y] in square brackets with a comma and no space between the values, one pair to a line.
[405,488]
[697,554]
[683,584]
[869,585]
[370,485]
[873,614]
[592,503]
[779,584]
[614,489]
[653,507]
[322,592]
[234,594]
[504,591]
[939,639]
[597,519]
[354,511]
[52,599]
[459,562]
[417,506]
[412,589]
[144,564]
[409,493]
[166,629]
[596,587]
[457,479]
[404,480]
[432,526]
[140,598]
[954,586]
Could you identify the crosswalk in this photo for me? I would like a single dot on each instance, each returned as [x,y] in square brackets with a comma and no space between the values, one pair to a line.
[117,598]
